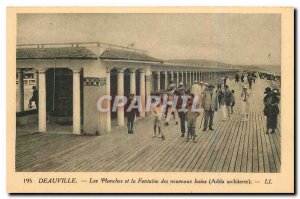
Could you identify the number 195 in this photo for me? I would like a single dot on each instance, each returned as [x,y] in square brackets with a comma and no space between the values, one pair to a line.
[27,180]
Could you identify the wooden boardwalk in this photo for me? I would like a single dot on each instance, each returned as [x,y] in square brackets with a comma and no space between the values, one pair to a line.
[234,146]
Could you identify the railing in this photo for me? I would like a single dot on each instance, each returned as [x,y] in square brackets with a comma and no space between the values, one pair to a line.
[27,82]
[79,44]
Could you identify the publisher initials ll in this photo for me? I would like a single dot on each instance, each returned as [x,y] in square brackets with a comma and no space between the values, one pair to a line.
[268,181]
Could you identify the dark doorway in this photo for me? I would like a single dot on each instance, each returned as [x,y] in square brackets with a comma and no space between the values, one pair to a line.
[59,95]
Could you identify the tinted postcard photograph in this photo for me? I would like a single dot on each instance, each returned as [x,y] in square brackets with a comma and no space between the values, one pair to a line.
[150,100]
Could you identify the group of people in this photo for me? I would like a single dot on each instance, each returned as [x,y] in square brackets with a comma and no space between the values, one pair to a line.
[208,101]
[246,76]
[206,98]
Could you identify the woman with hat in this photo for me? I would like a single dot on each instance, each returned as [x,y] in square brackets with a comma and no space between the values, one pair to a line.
[245,103]
[271,110]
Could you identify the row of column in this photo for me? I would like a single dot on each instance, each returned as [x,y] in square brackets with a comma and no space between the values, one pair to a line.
[145,90]
[41,85]
[190,77]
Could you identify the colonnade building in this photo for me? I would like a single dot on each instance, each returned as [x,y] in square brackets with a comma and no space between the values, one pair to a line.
[71,77]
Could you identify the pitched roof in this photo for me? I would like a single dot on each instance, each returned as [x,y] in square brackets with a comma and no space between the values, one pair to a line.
[51,53]
[127,55]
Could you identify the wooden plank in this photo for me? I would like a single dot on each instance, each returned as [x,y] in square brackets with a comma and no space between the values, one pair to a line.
[249,150]
[207,146]
[222,154]
[255,156]
[223,139]
[234,146]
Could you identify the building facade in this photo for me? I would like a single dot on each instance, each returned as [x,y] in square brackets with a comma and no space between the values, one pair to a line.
[70,79]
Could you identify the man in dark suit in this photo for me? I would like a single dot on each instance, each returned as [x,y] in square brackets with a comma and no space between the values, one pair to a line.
[131,112]
[34,98]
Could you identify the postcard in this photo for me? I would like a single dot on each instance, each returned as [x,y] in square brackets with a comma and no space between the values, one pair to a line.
[150,100]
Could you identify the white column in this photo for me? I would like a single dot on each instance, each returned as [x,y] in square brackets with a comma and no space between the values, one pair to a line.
[190,78]
[36,79]
[186,77]
[166,80]
[148,82]
[120,93]
[182,77]
[132,82]
[76,101]
[20,91]
[193,77]
[177,79]
[42,100]
[158,81]
[108,117]
[142,92]
[172,76]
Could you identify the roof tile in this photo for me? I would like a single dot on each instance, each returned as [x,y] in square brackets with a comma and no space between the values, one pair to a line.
[127,55]
[51,53]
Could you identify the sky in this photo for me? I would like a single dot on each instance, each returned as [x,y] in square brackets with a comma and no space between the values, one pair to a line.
[231,38]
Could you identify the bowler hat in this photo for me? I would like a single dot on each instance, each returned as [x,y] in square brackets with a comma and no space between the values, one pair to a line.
[268,90]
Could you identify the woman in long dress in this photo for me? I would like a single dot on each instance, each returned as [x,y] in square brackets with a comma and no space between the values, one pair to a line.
[245,103]
[271,110]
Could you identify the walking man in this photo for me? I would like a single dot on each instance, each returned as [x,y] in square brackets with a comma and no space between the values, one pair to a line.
[131,112]
[209,104]
[34,98]
[181,93]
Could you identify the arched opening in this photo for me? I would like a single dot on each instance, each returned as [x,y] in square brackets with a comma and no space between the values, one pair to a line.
[126,82]
[59,95]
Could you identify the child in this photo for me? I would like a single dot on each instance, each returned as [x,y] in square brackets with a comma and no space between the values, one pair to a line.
[245,104]
[191,120]
[233,100]
[158,114]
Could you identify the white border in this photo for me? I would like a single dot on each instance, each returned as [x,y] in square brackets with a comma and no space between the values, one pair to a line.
[14,3]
